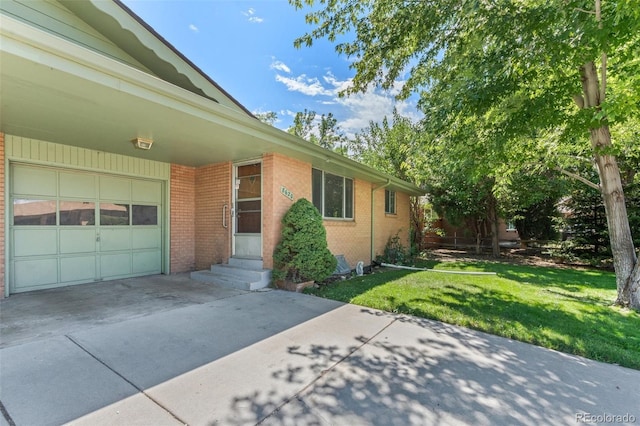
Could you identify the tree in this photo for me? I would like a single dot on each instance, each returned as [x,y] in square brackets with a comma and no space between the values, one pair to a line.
[391,147]
[323,131]
[269,117]
[513,68]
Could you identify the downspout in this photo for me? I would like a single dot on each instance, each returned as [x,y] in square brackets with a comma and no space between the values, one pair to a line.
[373,232]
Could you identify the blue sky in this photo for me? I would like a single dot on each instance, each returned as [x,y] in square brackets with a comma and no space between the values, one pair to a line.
[247,48]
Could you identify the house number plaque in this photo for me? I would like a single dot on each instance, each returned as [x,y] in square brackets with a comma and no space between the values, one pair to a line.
[284,191]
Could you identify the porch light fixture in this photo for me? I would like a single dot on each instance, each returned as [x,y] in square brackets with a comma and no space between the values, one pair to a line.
[237,183]
[141,143]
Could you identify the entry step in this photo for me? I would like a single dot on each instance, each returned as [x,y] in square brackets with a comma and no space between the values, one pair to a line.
[241,274]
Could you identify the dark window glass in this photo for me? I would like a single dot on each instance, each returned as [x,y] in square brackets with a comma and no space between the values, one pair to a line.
[80,213]
[348,198]
[248,217]
[34,212]
[144,215]
[389,202]
[316,177]
[333,195]
[114,214]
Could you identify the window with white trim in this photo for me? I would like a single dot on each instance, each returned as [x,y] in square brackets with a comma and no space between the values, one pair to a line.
[389,202]
[332,195]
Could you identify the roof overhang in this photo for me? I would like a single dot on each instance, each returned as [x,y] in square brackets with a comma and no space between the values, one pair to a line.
[55,90]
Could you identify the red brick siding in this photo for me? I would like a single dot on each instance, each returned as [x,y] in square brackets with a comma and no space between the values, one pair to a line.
[183,208]
[2,240]
[278,171]
[213,192]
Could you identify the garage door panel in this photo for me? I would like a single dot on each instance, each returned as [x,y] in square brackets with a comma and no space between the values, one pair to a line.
[74,269]
[146,262]
[115,265]
[34,181]
[72,227]
[113,239]
[77,240]
[74,185]
[146,191]
[145,238]
[34,273]
[35,242]
[115,188]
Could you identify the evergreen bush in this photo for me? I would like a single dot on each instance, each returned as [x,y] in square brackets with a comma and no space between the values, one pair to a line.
[302,254]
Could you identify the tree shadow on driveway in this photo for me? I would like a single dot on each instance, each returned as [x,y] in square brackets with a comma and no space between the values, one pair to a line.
[419,372]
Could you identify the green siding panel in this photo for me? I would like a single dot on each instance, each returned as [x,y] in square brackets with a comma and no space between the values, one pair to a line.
[113,188]
[77,240]
[75,185]
[146,238]
[146,262]
[34,181]
[56,19]
[35,273]
[115,265]
[146,191]
[75,269]
[115,239]
[18,148]
[36,241]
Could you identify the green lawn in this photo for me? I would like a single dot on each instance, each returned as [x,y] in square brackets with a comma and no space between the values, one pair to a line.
[564,309]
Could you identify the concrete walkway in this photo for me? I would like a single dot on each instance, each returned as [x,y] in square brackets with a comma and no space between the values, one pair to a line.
[169,351]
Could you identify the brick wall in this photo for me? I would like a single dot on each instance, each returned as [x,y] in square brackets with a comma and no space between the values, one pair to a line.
[212,192]
[349,238]
[183,208]
[353,238]
[278,171]
[2,218]
[387,225]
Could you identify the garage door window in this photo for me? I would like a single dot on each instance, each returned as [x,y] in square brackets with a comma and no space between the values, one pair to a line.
[34,212]
[114,214]
[144,215]
[77,213]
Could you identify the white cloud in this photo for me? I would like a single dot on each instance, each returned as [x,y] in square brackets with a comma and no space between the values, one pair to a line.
[250,13]
[280,66]
[303,84]
[354,112]
[194,28]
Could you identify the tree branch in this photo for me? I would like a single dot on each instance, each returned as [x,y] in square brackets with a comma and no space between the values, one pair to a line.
[578,178]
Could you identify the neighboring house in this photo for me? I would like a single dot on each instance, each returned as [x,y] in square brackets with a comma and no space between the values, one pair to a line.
[120,158]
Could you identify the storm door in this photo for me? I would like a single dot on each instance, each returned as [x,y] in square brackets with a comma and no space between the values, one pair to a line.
[247,241]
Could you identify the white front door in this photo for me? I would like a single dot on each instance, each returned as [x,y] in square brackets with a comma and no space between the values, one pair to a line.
[247,226]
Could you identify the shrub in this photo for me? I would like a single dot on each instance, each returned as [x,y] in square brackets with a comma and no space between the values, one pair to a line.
[302,254]
[394,252]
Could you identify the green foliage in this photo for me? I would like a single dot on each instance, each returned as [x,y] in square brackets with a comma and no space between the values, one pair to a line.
[537,221]
[323,131]
[269,117]
[394,252]
[302,254]
[391,147]
[568,310]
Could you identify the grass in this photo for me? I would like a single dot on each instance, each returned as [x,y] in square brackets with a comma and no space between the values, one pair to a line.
[568,310]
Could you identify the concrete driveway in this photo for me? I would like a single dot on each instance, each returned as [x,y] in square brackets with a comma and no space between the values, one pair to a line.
[165,350]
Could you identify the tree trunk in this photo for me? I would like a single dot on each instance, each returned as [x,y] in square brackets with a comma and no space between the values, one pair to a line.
[624,255]
[493,220]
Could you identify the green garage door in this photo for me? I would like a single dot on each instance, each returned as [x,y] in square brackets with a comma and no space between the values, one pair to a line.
[70,227]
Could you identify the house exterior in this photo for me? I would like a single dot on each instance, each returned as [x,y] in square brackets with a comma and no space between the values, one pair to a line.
[120,158]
